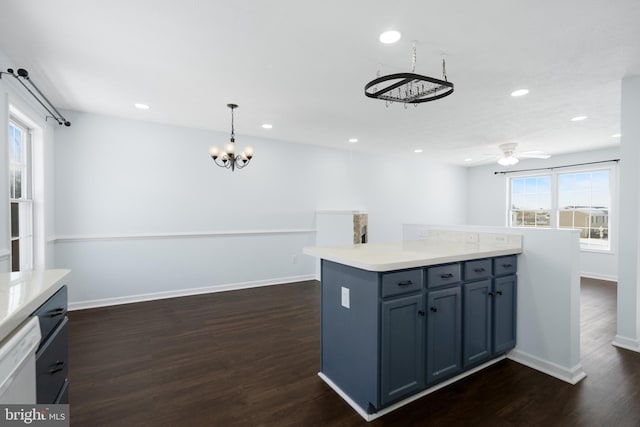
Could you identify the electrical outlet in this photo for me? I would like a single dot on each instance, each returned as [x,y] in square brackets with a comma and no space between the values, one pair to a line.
[345,297]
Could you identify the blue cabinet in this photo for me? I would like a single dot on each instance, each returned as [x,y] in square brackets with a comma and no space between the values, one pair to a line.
[389,335]
[490,313]
[478,310]
[444,333]
[52,356]
[402,347]
[504,313]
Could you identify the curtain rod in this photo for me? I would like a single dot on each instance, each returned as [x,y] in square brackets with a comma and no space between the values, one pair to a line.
[556,167]
[24,75]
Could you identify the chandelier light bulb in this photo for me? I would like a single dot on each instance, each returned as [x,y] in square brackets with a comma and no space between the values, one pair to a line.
[230,148]
[214,152]
[248,151]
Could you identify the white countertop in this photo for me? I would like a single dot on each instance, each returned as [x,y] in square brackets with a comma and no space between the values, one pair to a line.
[23,292]
[412,253]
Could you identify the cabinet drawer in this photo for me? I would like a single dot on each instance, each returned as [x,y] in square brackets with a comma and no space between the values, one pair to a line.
[51,313]
[401,282]
[443,275]
[52,364]
[505,265]
[477,269]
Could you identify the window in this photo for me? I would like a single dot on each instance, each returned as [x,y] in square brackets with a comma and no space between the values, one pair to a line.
[20,197]
[583,203]
[531,201]
[580,200]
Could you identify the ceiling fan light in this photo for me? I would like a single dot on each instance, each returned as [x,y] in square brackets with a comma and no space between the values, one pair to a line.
[507,161]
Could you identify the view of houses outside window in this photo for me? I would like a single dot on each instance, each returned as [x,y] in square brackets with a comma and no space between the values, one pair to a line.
[531,201]
[20,197]
[583,203]
[578,200]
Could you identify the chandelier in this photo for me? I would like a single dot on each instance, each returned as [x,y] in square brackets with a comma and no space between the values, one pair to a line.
[409,88]
[228,158]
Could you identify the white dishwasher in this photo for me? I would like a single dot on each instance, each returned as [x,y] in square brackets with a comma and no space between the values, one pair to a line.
[18,364]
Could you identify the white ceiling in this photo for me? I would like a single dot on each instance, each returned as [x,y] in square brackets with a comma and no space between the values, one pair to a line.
[302,66]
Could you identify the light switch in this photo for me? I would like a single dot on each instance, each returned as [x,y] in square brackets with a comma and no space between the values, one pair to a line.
[346,301]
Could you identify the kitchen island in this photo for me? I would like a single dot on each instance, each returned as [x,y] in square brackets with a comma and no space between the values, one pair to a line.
[400,320]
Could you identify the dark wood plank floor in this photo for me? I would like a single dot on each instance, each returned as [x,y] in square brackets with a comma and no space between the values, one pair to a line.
[250,358]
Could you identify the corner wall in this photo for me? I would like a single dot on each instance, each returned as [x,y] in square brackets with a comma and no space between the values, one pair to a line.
[628,320]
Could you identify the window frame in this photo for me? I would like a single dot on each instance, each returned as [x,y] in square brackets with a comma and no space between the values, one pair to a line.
[510,203]
[24,203]
[554,174]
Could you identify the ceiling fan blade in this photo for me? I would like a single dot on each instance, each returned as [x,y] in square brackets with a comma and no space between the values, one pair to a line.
[533,156]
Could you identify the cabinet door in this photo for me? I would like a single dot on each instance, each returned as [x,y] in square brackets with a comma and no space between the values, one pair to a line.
[476,341]
[402,347]
[504,314]
[444,333]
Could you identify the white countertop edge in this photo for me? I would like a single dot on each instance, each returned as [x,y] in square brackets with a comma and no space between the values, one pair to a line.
[52,278]
[414,263]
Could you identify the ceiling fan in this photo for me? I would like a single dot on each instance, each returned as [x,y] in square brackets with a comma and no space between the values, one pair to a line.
[510,157]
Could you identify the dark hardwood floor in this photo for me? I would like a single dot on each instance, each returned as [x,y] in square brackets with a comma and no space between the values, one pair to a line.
[250,358]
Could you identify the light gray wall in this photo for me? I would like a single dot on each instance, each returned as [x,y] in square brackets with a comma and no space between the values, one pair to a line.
[488,204]
[628,320]
[142,210]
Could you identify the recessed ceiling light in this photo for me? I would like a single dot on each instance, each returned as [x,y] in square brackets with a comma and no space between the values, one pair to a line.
[468,159]
[141,106]
[418,150]
[616,135]
[267,126]
[353,140]
[520,92]
[578,118]
[390,36]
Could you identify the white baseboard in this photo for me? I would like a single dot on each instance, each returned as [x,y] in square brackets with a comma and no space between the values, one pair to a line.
[626,343]
[570,375]
[104,302]
[370,417]
[600,277]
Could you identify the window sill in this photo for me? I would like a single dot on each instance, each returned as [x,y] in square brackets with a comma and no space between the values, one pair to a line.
[597,251]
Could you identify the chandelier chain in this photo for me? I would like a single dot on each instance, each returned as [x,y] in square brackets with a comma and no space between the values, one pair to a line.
[444,71]
[413,58]
[233,134]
